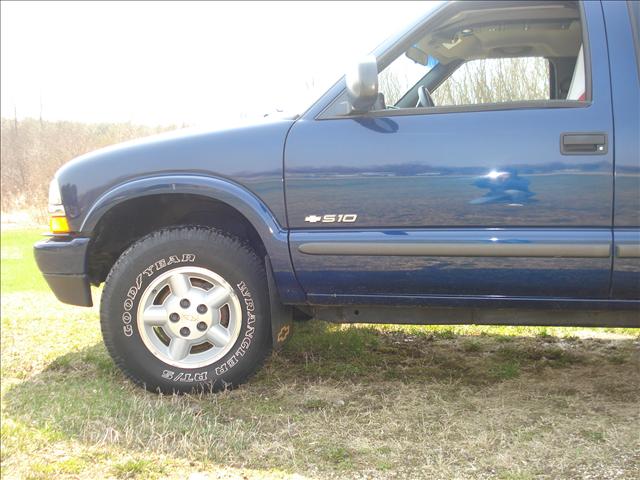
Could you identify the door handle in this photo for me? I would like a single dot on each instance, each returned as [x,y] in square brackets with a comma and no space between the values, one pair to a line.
[583,143]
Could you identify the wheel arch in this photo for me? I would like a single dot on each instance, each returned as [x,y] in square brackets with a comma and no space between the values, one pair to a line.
[237,206]
[223,190]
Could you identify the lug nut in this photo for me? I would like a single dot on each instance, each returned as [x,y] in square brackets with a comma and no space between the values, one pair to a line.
[185,303]
[202,326]
[174,317]
[184,331]
[202,308]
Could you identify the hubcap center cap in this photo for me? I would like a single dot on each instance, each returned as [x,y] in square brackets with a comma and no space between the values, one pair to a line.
[191,318]
[196,319]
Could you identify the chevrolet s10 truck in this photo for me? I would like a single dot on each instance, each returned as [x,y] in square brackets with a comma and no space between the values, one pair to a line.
[482,166]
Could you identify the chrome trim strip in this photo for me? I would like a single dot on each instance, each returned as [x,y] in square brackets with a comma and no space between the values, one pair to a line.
[628,250]
[405,249]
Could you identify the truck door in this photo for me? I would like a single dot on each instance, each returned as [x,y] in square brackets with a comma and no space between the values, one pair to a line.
[622,25]
[503,187]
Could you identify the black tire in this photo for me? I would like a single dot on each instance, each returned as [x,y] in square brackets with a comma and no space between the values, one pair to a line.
[151,257]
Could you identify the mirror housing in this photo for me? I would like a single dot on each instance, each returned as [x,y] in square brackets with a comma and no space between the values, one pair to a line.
[362,85]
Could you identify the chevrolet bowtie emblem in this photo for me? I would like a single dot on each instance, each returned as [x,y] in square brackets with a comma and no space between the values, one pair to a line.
[312,218]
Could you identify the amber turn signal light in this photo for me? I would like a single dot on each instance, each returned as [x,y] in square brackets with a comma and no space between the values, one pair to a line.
[58,225]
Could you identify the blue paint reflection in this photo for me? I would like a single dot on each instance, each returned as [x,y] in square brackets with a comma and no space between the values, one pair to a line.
[505,186]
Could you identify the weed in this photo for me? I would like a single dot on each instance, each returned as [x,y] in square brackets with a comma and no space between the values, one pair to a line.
[544,333]
[338,455]
[136,468]
[470,346]
[315,404]
[593,435]
[50,469]
[618,358]
[503,338]
[505,370]
[448,334]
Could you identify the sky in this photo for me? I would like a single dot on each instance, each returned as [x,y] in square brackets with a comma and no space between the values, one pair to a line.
[193,63]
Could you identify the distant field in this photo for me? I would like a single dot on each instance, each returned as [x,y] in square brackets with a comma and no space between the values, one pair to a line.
[338,402]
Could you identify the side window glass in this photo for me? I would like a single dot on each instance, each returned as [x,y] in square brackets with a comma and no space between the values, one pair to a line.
[496,80]
[400,76]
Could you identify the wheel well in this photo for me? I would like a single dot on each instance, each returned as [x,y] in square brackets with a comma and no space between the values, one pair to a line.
[131,220]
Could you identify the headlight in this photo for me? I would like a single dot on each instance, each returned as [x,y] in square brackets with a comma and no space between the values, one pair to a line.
[55,199]
[57,216]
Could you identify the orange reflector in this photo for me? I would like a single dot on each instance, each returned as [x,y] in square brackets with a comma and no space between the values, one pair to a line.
[58,225]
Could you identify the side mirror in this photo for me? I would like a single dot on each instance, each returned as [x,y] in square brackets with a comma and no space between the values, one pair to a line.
[362,85]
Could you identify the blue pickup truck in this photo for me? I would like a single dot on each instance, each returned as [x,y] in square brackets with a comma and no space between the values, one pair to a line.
[481,166]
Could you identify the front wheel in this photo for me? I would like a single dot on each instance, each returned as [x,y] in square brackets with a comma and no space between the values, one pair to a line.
[186,309]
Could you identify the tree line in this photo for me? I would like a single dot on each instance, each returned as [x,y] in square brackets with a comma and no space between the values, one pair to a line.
[32,150]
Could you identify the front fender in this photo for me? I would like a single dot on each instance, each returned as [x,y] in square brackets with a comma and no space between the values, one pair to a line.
[273,235]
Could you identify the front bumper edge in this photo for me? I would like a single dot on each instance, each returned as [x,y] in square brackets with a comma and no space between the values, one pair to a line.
[63,265]
[71,289]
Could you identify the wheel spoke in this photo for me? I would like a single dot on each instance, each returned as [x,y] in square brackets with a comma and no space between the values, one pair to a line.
[218,335]
[155,315]
[180,284]
[217,297]
[179,348]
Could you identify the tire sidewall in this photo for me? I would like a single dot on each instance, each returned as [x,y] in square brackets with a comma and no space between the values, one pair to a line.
[157,254]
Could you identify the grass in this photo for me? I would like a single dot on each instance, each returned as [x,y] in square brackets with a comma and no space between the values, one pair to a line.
[18,269]
[340,401]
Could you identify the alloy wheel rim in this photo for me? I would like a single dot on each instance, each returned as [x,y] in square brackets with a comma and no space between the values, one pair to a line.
[189,317]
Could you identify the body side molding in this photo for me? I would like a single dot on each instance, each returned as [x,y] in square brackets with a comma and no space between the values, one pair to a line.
[567,250]
[627,243]
[458,242]
[628,251]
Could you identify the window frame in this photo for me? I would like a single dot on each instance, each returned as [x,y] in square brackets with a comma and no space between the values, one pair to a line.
[402,45]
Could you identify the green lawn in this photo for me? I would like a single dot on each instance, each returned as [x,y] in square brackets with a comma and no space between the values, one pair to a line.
[18,268]
[338,402]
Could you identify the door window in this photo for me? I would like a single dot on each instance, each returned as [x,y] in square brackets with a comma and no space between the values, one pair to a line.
[512,53]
